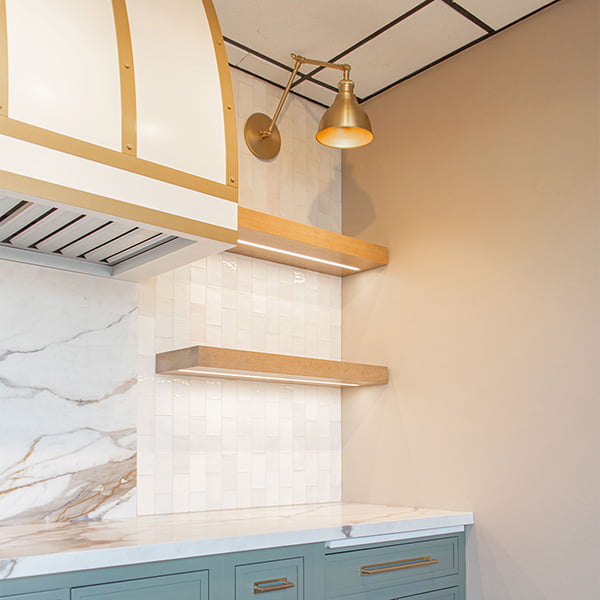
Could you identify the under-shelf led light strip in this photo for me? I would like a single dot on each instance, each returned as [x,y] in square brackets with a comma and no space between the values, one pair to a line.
[218,374]
[297,255]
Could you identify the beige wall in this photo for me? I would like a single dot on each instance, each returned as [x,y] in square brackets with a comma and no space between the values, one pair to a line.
[483,182]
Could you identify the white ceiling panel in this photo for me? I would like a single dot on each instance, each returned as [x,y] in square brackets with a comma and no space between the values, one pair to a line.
[265,69]
[426,36]
[234,54]
[314,28]
[499,13]
[416,33]
[316,92]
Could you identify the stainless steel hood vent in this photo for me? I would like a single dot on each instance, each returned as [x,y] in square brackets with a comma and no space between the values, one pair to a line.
[80,242]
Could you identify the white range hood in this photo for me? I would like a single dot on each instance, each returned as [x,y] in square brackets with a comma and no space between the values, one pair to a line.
[117,135]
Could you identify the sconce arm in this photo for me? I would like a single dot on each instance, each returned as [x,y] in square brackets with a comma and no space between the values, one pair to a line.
[300,60]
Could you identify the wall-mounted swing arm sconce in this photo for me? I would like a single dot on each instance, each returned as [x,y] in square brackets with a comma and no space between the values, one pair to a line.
[343,125]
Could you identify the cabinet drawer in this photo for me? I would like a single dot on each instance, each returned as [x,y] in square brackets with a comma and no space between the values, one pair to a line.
[187,586]
[54,595]
[272,580]
[449,594]
[387,567]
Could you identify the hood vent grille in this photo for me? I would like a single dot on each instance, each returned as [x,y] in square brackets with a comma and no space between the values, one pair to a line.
[38,228]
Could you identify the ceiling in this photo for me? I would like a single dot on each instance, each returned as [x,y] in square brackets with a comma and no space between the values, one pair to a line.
[385,42]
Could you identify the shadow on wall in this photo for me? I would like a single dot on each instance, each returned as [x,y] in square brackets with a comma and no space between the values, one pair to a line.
[355,221]
[321,205]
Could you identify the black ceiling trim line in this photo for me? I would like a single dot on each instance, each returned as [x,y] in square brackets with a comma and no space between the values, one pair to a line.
[258,54]
[473,43]
[469,15]
[327,86]
[277,85]
[533,12]
[371,36]
[277,64]
[428,66]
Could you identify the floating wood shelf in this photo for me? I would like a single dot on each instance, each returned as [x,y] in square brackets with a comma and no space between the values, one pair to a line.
[291,243]
[208,361]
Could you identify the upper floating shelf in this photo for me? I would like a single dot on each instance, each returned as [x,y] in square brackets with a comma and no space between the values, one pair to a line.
[290,243]
[208,361]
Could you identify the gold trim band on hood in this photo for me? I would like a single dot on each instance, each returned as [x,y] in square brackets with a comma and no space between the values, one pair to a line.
[112,158]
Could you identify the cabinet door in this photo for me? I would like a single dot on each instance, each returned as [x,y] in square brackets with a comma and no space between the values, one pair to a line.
[280,579]
[54,595]
[187,586]
[381,571]
[449,594]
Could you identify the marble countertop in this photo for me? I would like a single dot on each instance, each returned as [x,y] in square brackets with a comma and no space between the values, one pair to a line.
[28,550]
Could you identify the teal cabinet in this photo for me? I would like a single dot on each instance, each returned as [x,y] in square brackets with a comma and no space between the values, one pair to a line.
[53,595]
[280,579]
[189,586]
[378,572]
[424,569]
[450,594]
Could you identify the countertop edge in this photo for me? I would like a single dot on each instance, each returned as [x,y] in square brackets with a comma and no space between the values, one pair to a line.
[49,564]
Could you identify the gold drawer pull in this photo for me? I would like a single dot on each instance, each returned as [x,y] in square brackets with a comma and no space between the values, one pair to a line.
[398,565]
[272,585]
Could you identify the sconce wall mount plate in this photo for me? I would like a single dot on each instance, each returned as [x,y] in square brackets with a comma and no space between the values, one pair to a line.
[262,146]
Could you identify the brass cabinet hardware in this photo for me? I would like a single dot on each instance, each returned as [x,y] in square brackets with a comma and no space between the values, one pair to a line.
[272,585]
[398,565]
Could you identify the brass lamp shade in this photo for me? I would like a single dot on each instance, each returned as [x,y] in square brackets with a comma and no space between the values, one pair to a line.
[345,124]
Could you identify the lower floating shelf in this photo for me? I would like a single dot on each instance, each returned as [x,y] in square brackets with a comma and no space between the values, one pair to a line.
[208,361]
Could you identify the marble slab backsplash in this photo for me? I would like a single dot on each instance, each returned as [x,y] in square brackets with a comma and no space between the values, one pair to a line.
[67,404]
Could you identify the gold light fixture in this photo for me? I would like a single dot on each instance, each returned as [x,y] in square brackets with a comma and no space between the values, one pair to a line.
[343,125]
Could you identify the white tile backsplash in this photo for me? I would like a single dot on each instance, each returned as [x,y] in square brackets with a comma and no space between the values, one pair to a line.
[211,444]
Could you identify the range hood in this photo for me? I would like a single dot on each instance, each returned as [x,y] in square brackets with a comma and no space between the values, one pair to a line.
[118,151]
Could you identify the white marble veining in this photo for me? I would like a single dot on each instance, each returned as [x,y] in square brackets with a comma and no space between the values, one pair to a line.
[67,411]
[29,550]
